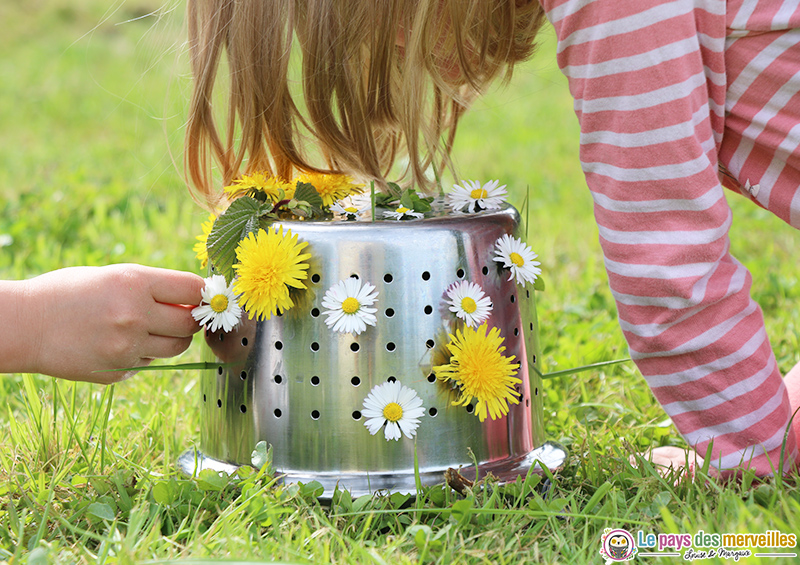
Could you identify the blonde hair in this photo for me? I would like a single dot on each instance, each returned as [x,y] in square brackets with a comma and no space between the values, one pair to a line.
[379,78]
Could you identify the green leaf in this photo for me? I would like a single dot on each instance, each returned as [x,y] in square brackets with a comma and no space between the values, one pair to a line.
[538,284]
[239,220]
[462,510]
[164,493]
[101,510]
[208,479]
[314,489]
[406,200]
[261,455]
[308,193]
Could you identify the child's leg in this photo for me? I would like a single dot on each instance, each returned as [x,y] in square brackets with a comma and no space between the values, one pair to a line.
[673,457]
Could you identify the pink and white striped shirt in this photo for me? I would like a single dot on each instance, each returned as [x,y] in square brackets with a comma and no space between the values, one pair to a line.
[668,95]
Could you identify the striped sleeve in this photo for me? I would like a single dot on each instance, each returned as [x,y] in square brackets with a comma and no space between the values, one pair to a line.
[649,83]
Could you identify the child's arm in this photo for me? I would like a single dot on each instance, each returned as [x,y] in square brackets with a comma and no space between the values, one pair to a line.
[649,83]
[72,322]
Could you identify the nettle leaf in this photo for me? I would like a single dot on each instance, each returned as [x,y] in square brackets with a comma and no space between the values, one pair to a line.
[240,219]
[306,192]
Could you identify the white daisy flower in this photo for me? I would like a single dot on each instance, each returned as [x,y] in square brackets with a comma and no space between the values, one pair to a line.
[352,207]
[348,306]
[469,302]
[402,213]
[519,258]
[472,197]
[395,406]
[220,307]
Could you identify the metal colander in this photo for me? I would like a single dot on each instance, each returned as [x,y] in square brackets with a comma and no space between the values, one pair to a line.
[299,386]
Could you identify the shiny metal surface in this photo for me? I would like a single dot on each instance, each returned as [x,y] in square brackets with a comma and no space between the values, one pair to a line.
[299,386]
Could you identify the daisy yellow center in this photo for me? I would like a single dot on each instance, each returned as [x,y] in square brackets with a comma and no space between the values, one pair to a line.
[403,210]
[351,210]
[468,305]
[479,193]
[393,412]
[219,303]
[350,305]
[517,259]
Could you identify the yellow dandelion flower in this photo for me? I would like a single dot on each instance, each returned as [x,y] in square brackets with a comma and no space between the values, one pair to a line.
[201,247]
[269,262]
[481,371]
[260,182]
[331,187]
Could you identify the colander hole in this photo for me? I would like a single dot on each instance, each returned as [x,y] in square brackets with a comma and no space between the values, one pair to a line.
[460,273]
[388,278]
[430,343]
[279,313]
[278,345]
[277,412]
[208,333]
[536,391]
[315,278]
[314,346]
[315,414]
[204,398]
[527,403]
[315,380]
[389,312]
[431,378]
[355,381]
[354,276]
[534,358]
[278,379]
[531,326]
[315,312]
[354,347]
[356,415]
[513,299]
[391,380]
[426,276]
[527,293]
[243,375]
[219,370]
[242,408]
[433,412]
[516,332]
[219,403]
[429,309]
[485,270]
[222,337]
[244,342]
[470,408]
[390,346]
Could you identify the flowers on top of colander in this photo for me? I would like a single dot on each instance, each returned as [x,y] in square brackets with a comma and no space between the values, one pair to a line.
[260,269]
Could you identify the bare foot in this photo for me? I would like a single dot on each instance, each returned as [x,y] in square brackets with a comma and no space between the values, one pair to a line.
[675,461]
[792,382]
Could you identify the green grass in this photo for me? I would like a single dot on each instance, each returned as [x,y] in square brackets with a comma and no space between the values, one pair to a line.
[91,109]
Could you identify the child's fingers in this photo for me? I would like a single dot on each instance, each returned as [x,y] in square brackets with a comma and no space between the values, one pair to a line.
[170,320]
[161,347]
[175,287]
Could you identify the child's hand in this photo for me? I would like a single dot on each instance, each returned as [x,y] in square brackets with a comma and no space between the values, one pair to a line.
[76,321]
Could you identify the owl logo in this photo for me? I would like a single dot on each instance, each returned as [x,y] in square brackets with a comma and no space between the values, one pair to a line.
[618,545]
